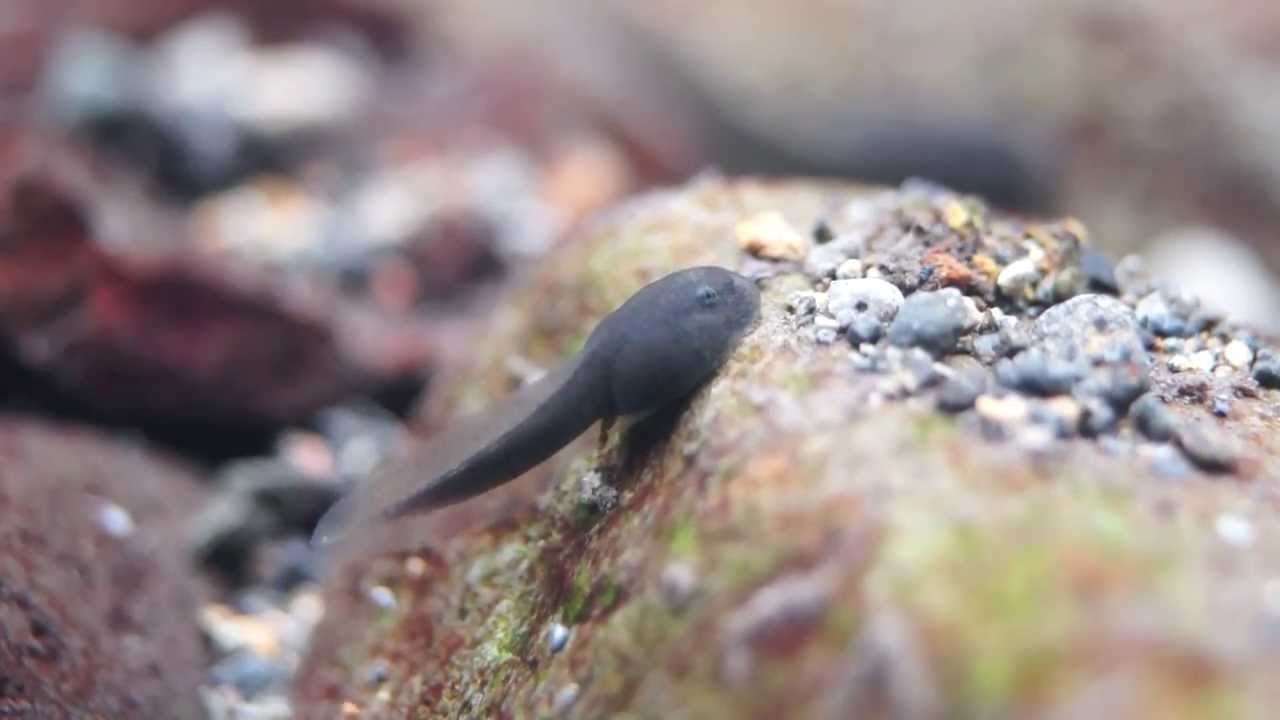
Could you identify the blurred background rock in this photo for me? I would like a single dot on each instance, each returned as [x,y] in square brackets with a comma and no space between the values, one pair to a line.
[252,229]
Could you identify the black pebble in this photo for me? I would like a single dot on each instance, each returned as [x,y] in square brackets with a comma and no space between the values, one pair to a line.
[1099,272]
[1266,369]
[865,329]
[1098,417]
[1208,447]
[930,320]
[1153,419]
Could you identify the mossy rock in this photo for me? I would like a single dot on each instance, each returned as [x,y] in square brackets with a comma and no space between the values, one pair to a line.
[803,540]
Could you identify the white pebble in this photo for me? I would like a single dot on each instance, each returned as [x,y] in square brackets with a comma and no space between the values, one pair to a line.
[851,268]
[115,520]
[1007,410]
[826,321]
[1017,277]
[382,596]
[557,637]
[565,698]
[1204,360]
[1234,530]
[1238,355]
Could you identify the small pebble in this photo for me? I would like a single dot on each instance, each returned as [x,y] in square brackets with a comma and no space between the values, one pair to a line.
[848,300]
[931,320]
[989,347]
[802,304]
[1099,272]
[826,336]
[826,321]
[1221,405]
[565,698]
[1098,417]
[1234,529]
[115,520]
[1167,315]
[1204,361]
[959,393]
[1007,410]
[1153,419]
[382,596]
[596,494]
[415,566]
[1238,355]
[1037,438]
[1266,369]
[823,260]
[1119,385]
[1063,414]
[865,329]
[377,673]
[557,637]
[849,269]
[1209,448]
[679,581]
[822,233]
[1017,278]
[921,371]
[1033,371]
[768,235]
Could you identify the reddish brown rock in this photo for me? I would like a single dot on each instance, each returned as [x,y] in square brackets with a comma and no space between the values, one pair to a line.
[97,599]
[165,339]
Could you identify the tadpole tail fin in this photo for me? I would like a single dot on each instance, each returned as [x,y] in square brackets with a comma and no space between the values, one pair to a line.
[403,484]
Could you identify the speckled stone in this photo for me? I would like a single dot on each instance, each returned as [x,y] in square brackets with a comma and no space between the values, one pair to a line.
[848,300]
[1168,315]
[933,321]
[1208,447]
[1153,419]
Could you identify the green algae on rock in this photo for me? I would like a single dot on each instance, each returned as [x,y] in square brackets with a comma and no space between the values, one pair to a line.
[809,536]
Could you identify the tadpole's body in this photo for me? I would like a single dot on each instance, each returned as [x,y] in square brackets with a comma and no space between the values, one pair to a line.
[659,346]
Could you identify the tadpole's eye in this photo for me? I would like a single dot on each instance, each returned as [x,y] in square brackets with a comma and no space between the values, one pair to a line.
[707,296]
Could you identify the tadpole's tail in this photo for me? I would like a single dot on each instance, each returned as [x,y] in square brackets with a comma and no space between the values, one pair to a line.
[473,455]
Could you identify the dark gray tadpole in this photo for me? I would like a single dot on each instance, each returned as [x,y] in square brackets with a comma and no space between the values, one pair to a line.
[658,347]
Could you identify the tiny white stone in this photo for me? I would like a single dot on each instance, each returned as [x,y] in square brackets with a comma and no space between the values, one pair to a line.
[1008,410]
[851,268]
[1204,360]
[565,698]
[1238,355]
[557,637]
[1017,277]
[1234,530]
[115,520]
[826,321]
[382,596]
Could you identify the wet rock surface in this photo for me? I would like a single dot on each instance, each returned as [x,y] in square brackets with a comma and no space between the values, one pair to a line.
[96,594]
[1014,488]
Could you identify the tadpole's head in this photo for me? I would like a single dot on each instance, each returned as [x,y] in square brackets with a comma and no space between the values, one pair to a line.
[673,334]
[722,304]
